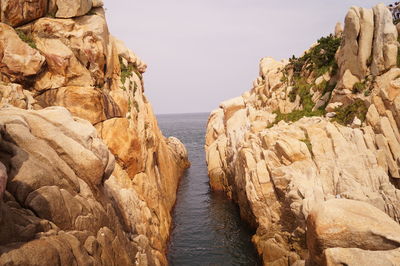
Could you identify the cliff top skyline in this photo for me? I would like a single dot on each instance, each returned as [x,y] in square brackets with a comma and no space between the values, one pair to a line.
[202,52]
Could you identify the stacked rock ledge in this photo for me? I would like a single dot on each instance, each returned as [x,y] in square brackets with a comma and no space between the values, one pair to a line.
[311,153]
[86,177]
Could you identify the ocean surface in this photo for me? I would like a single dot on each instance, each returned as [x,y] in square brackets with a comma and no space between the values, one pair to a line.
[207,229]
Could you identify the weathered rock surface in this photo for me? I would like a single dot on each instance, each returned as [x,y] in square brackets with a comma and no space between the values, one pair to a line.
[341,223]
[77,50]
[78,194]
[64,69]
[17,58]
[354,256]
[385,44]
[72,8]
[358,35]
[86,102]
[347,147]
[13,94]
[17,12]
[56,203]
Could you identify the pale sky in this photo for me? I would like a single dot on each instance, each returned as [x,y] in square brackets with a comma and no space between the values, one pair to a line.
[202,52]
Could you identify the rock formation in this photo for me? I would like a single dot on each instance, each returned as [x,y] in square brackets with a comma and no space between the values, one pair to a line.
[86,177]
[311,153]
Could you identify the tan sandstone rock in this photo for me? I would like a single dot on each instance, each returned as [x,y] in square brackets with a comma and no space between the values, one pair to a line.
[128,55]
[338,29]
[86,102]
[354,256]
[18,59]
[56,166]
[18,12]
[64,69]
[357,44]
[385,41]
[86,37]
[349,224]
[77,210]
[71,8]
[278,172]
[13,94]
[348,80]
[123,141]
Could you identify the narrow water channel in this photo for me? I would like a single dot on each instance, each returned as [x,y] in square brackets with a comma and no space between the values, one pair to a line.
[207,229]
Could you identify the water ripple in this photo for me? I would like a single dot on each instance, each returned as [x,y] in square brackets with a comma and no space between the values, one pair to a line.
[207,229]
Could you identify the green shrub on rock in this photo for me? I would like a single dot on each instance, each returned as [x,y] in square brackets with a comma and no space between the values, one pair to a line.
[359,87]
[323,54]
[126,70]
[346,114]
[297,115]
[26,38]
[319,58]
[367,93]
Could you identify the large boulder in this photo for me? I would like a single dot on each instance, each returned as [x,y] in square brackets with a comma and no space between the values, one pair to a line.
[357,41]
[369,44]
[70,8]
[18,12]
[278,165]
[17,59]
[64,69]
[14,94]
[60,207]
[31,131]
[278,174]
[180,151]
[385,44]
[78,49]
[79,52]
[55,209]
[123,141]
[85,102]
[349,224]
[355,257]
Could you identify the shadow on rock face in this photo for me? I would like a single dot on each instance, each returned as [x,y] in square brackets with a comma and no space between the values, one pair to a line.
[51,213]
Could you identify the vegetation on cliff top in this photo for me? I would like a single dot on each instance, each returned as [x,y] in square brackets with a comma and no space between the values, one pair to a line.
[319,58]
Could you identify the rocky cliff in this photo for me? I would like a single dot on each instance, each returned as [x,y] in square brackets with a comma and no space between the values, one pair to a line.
[311,153]
[86,177]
